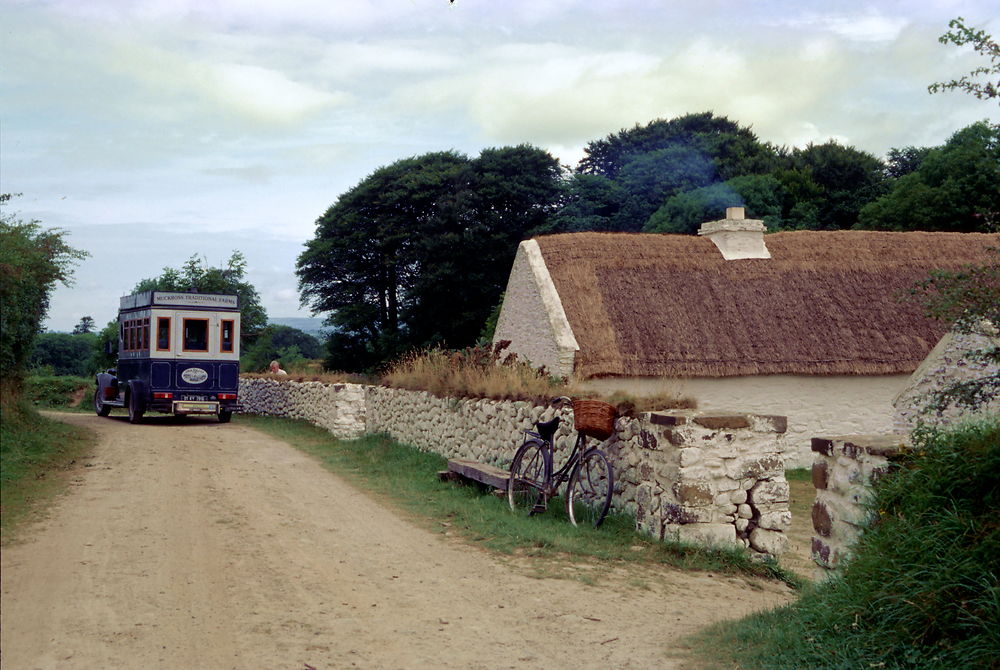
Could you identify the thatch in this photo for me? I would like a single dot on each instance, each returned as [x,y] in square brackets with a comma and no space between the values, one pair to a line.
[825,303]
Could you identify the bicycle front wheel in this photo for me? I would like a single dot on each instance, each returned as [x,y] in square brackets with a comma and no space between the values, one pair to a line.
[529,473]
[590,488]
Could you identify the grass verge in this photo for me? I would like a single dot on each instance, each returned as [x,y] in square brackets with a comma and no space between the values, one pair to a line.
[35,453]
[407,478]
[921,590]
[62,392]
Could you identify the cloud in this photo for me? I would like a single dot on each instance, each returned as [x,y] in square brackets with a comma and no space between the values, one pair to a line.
[265,94]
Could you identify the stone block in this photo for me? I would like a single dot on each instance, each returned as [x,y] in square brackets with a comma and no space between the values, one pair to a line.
[768,541]
[822,445]
[690,456]
[707,534]
[667,419]
[738,497]
[767,492]
[820,474]
[699,494]
[822,519]
[777,520]
[723,421]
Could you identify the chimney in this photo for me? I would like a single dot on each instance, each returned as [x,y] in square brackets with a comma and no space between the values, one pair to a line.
[737,237]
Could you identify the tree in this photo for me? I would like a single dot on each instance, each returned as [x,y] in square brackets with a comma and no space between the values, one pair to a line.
[982,42]
[418,252]
[901,162]
[953,189]
[847,178]
[197,275]
[32,261]
[762,196]
[283,343]
[65,354]
[85,326]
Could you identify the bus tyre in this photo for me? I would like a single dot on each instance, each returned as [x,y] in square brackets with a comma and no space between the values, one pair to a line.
[99,406]
[135,412]
[225,416]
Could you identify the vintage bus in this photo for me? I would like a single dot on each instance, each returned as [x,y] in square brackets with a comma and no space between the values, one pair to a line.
[178,353]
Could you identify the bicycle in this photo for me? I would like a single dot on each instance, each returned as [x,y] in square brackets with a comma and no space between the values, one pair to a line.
[532,482]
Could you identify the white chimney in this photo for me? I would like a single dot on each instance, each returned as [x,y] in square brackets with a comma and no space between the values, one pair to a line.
[737,237]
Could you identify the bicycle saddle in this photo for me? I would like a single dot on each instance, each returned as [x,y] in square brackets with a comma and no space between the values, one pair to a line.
[548,429]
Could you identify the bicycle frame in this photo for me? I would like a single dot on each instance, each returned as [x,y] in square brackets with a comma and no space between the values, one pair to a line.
[561,475]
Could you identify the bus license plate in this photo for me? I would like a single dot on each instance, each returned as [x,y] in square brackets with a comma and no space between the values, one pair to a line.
[186,407]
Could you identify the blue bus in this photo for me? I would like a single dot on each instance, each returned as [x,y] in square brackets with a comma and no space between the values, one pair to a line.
[178,353]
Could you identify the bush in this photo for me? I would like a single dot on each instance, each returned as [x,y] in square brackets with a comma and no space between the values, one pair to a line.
[50,391]
[921,590]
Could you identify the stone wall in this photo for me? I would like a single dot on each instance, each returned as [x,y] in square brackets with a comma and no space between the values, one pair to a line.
[946,364]
[706,477]
[843,471]
[340,408]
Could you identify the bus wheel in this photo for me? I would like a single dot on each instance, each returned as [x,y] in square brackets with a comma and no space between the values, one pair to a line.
[225,416]
[134,411]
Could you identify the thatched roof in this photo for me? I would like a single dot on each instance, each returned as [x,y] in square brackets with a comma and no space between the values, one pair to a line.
[825,303]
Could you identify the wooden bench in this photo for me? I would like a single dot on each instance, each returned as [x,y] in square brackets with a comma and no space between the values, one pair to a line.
[459,468]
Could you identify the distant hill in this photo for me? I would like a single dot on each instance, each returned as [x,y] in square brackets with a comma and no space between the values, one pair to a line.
[314,326]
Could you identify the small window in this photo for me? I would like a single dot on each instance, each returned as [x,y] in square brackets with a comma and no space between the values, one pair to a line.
[145,333]
[163,333]
[227,336]
[129,335]
[195,334]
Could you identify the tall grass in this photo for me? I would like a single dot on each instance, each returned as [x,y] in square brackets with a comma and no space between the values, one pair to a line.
[34,451]
[488,372]
[921,590]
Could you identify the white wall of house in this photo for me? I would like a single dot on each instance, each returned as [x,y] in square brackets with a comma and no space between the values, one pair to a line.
[532,315]
[815,406]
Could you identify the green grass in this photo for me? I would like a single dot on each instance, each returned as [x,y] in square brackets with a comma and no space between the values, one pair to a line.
[799,475]
[62,392]
[35,453]
[921,590]
[407,478]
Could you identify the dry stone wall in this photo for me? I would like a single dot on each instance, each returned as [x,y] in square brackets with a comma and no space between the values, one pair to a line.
[844,469]
[340,408]
[700,477]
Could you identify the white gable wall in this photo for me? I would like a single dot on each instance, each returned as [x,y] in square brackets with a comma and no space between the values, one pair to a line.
[532,315]
[815,406]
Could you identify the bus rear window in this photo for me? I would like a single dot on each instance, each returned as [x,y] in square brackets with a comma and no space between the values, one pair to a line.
[227,336]
[195,334]
[163,333]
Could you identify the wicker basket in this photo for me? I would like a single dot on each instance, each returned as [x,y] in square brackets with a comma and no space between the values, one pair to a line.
[594,418]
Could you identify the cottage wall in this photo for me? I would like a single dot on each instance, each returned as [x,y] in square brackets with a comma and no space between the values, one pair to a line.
[814,405]
[532,316]
[697,476]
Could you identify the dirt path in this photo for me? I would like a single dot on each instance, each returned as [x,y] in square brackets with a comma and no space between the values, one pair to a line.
[203,545]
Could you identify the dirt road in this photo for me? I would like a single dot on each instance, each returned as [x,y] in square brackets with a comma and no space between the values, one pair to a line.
[204,545]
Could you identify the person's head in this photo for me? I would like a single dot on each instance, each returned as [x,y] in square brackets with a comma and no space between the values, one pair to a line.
[274,367]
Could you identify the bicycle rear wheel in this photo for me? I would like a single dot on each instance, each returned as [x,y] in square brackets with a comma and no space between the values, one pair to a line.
[590,489]
[529,473]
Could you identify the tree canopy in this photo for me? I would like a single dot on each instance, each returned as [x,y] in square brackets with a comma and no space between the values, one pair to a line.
[418,252]
[283,343]
[32,261]
[197,275]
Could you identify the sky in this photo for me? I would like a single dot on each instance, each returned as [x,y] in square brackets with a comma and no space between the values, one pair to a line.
[154,130]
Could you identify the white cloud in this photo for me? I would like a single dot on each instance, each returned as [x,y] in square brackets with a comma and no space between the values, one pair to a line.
[266,94]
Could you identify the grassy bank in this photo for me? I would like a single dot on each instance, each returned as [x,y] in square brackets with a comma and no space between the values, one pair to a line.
[35,454]
[62,392]
[922,589]
[407,479]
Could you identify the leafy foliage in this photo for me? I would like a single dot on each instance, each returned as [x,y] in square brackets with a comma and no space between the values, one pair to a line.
[983,43]
[197,275]
[65,354]
[282,343]
[418,252]
[32,260]
[953,189]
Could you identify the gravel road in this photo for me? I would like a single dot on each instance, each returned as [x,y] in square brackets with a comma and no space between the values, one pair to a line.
[206,545]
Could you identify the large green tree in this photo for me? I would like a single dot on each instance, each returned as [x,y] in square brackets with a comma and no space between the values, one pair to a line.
[65,353]
[283,343]
[32,261]
[847,180]
[418,252]
[197,275]
[956,187]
